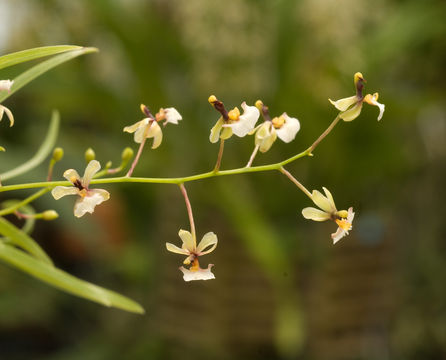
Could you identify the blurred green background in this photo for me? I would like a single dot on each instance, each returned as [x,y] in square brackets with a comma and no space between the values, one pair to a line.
[281,290]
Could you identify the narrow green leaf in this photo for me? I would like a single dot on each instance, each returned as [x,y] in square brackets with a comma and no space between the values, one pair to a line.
[39,69]
[44,150]
[66,282]
[32,54]
[21,239]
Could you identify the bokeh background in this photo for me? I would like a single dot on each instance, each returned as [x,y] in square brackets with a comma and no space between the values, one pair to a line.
[282,291]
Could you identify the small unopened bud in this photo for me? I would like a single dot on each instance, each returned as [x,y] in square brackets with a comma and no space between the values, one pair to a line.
[58,154]
[127,154]
[50,215]
[89,155]
[108,165]
[2,148]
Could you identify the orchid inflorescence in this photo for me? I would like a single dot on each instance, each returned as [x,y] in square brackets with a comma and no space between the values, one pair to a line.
[228,123]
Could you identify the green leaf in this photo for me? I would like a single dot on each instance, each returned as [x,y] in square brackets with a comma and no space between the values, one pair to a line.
[32,54]
[21,239]
[44,150]
[66,282]
[39,69]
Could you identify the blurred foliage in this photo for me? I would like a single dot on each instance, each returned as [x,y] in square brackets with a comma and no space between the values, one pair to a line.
[282,289]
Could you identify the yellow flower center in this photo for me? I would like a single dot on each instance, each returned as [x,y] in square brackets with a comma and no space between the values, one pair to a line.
[234,114]
[278,122]
[343,224]
[83,193]
[195,265]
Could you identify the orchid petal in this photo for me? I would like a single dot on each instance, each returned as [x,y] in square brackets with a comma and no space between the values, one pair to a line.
[175,249]
[265,136]
[201,274]
[312,213]
[324,203]
[189,243]
[372,100]
[6,85]
[172,115]
[215,131]
[71,175]
[92,168]
[88,203]
[345,103]
[60,191]
[340,233]
[353,113]
[136,126]
[157,134]
[209,239]
[329,196]
[246,121]
[289,129]
[8,114]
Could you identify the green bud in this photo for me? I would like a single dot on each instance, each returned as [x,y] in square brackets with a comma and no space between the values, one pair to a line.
[50,215]
[89,155]
[127,155]
[58,154]
[108,165]
[2,148]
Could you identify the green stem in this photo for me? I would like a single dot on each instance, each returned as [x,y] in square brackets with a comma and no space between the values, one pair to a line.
[220,155]
[296,182]
[29,199]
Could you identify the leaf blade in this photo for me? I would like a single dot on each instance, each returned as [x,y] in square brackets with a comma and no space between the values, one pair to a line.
[39,69]
[34,53]
[66,282]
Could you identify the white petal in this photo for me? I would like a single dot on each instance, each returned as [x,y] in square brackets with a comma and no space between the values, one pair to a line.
[175,249]
[246,122]
[353,113]
[315,214]
[329,196]
[136,126]
[172,115]
[189,243]
[209,239]
[201,274]
[372,100]
[71,175]
[6,85]
[139,134]
[289,129]
[345,103]
[92,168]
[340,233]
[88,203]
[215,131]
[61,191]
[323,202]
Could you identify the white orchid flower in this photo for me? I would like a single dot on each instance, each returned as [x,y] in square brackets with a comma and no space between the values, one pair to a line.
[327,211]
[350,107]
[149,128]
[189,248]
[232,122]
[283,127]
[88,198]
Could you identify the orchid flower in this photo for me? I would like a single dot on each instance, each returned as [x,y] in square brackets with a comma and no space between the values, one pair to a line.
[149,128]
[190,248]
[350,107]
[88,198]
[232,122]
[327,211]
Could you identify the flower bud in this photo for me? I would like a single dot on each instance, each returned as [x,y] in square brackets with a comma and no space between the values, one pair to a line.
[58,154]
[127,154]
[89,155]
[212,99]
[50,215]
[108,165]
